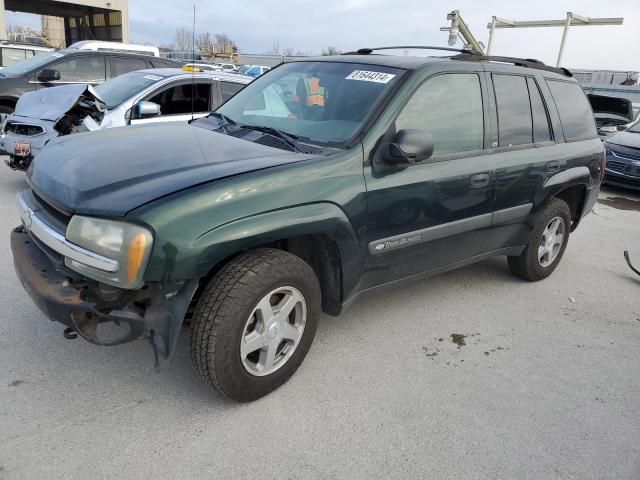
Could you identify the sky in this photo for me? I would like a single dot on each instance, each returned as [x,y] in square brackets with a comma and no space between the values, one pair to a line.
[310,26]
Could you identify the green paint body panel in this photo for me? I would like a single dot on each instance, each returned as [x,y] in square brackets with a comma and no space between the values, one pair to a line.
[355,200]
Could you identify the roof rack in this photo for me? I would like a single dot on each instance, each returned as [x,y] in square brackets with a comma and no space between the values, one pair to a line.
[520,62]
[367,51]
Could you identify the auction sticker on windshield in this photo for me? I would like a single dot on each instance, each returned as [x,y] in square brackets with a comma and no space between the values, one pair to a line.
[365,76]
[155,78]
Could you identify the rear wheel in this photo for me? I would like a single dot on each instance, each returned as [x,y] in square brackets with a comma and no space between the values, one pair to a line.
[547,243]
[255,323]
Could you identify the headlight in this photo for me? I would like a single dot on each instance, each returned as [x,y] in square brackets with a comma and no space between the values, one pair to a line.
[127,243]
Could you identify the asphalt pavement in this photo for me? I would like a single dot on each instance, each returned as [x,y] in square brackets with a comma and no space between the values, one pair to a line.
[469,375]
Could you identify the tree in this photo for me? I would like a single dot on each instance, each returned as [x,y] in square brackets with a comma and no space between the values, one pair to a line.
[223,44]
[330,51]
[183,41]
[205,43]
[288,52]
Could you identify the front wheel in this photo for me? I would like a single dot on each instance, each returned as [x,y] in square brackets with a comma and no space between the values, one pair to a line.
[255,322]
[547,243]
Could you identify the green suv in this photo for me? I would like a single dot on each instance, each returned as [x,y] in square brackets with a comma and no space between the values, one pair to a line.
[322,179]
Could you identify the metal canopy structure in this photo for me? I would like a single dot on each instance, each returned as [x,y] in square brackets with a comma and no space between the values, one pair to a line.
[572,19]
[83,19]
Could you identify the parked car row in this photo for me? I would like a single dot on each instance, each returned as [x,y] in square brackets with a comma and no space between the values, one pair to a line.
[143,96]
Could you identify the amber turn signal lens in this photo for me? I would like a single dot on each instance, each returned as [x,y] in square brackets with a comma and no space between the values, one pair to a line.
[135,257]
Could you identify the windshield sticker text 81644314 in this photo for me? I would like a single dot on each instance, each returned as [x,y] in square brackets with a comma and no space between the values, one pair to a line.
[377,77]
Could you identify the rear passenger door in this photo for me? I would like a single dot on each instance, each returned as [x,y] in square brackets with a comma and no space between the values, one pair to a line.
[524,149]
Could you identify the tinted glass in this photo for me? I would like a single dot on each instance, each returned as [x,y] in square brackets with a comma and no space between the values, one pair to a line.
[449,107]
[321,102]
[12,55]
[81,69]
[115,91]
[31,64]
[229,89]
[514,110]
[121,65]
[574,109]
[184,99]
[541,132]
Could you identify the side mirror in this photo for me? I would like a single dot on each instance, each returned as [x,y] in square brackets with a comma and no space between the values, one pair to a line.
[48,75]
[409,146]
[145,110]
[608,130]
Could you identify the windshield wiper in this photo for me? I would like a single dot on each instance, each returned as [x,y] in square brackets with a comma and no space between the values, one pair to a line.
[288,138]
[226,121]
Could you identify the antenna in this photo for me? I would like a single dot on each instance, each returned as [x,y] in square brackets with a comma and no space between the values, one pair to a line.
[193,59]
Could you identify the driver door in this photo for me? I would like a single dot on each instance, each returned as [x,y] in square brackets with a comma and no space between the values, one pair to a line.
[426,216]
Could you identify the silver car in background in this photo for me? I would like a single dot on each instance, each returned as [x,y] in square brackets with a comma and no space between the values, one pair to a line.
[143,96]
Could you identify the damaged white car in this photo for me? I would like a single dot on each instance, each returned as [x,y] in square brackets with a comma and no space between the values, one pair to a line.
[144,96]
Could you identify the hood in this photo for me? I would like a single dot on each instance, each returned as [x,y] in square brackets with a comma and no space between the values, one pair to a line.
[111,172]
[55,102]
[625,139]
[611,109]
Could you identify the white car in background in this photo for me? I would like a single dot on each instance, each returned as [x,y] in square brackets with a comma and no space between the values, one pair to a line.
[227,67]
[11,52]
[143,96]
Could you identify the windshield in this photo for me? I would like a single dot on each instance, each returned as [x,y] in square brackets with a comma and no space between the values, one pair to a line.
[117,90]
[324,103]
[635,128]
[32,63]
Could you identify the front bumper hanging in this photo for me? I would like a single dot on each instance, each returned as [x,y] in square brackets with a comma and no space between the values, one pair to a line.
[102,317]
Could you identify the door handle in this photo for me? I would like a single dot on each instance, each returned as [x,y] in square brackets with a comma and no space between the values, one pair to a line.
[552,166]
[480,180]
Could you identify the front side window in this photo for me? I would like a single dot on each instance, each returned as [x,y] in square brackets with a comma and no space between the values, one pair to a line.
[184,99]
[449,107]
[31,64]
[324,103]
[514,110]
[82,69]
[575,111]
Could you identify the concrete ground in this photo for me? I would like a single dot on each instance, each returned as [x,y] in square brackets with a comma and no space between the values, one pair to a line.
[546,384]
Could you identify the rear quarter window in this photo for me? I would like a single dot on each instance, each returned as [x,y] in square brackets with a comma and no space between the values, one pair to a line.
[574,110]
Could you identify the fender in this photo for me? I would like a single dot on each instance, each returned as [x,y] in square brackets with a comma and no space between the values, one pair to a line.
[568,178]
[326,218]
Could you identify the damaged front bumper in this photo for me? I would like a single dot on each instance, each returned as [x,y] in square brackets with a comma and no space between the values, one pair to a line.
[101,314]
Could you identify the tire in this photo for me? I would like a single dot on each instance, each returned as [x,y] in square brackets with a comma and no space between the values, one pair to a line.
[528,265]
[232,310]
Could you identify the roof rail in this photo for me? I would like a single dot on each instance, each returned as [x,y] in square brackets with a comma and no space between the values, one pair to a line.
[367,51]
[520,62]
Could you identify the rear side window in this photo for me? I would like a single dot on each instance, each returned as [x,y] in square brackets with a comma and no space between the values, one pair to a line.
[574,109]
[229,89]
[514,110]
[449,107]
[541,132]
[120,65]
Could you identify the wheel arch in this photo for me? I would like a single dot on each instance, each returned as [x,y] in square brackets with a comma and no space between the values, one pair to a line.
[571,187]
[320,234]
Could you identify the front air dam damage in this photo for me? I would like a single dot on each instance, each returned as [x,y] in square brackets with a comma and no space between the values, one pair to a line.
[101,314]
